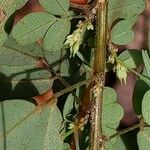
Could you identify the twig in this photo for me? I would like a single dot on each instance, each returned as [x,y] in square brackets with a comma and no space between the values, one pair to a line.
[124,131]
[143,124]
[72,87]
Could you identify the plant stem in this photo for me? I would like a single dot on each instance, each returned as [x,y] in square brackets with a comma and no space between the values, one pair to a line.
[72,87]
[96,137]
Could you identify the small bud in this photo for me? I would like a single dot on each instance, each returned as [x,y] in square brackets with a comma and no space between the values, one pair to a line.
[90,26]
[111,59]
[75,48]
[71,126]
[121,73]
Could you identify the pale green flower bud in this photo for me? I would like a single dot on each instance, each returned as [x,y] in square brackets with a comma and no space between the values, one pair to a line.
[121,73]
[71,126]
[75,39]
[75,48]
[90,26]
[111,59]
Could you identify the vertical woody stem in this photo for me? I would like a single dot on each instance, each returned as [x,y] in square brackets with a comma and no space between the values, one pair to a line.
[101,37]
[96,137]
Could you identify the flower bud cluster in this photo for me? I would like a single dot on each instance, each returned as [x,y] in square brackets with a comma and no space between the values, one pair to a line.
[75,39]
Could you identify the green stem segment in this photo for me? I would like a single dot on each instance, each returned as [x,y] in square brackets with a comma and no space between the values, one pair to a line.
[96,138]
[101,37]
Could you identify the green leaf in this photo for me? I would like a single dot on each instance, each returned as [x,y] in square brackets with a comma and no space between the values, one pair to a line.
[140,89]
[116,144]
[25,126]
[109,96]
[119,144]
[13,57]
[3,36]
[64,68]
[56,7]
[7,8]
[11,6]
[117,112]
[144,76]
[56,34]
[146,60]
[32,50]
[131,58]
[69,105]
[112,112]
[125,9]
[122,33]
[59,61]
[86,64]
[146,106]
[32,27]
[143,139]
